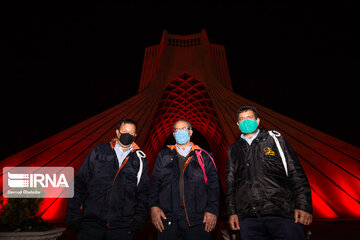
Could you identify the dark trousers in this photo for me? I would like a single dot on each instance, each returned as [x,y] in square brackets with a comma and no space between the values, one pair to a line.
[270,228]
[96,231]
[180,230]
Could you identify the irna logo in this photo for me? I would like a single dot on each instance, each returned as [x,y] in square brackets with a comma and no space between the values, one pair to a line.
[36,180]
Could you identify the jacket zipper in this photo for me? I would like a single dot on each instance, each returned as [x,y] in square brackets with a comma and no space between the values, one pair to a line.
[187,217]
[254,176]
[122,165]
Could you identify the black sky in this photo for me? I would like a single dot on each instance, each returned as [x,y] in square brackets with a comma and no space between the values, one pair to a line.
[61,64]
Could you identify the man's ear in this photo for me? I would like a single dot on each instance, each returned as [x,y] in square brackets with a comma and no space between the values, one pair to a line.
[117,133]
[258,121]
[190,132]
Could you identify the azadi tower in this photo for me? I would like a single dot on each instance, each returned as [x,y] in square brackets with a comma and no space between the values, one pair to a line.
[187,77]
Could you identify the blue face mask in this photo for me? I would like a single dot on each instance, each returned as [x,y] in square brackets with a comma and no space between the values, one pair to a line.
[182,137]
[248,126]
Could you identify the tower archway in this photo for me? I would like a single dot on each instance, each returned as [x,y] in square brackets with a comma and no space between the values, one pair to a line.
[185,97]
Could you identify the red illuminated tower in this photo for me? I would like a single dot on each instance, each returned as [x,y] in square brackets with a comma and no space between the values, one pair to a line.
[187,77]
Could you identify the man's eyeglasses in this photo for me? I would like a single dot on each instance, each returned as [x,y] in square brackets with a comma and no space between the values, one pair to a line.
[182,128]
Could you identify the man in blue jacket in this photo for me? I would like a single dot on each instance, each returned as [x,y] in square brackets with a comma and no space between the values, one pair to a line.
[184,190]
[111,189]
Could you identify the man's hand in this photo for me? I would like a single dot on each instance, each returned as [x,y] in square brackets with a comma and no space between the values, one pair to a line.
[234,222]
[156,215]
[210,221]
[302,217]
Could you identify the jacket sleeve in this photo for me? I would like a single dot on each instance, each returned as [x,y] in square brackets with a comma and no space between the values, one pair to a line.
[213,186]
[155,183]
[299,181]
[142,192]
[81,183]
[230,185]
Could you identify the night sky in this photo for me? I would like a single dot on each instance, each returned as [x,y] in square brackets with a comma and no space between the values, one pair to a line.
[61,64]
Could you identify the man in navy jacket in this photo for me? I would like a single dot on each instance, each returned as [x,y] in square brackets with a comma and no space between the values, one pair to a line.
[184,190]
[111,189]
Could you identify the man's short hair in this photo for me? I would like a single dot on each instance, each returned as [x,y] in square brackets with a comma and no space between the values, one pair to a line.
[129,121]
[247,108]
[182,120]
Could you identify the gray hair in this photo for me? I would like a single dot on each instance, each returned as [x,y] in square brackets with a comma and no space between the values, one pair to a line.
[182,120]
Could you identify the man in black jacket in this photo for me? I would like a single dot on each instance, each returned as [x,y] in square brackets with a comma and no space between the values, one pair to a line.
[184,190]
[267,192]
[111,189]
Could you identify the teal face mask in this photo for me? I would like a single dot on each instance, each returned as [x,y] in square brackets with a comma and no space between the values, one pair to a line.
[182,137]
[248,126]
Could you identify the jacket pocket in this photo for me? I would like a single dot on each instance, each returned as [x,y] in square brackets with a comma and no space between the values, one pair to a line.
[94,204]
[129,203]
[165,198]
[201,197]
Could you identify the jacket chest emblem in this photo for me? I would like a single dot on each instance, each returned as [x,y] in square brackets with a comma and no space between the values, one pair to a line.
[268,151]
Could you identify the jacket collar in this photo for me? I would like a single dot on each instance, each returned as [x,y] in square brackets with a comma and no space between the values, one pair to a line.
[193,147]
[262,134]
